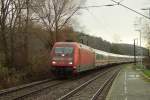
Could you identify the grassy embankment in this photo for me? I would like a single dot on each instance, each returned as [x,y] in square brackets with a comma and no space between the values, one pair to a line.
[145,67]
[146,72]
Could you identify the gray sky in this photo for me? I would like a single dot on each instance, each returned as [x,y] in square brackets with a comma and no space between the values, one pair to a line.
[114,24]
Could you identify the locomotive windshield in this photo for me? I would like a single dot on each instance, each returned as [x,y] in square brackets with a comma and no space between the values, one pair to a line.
[64,51]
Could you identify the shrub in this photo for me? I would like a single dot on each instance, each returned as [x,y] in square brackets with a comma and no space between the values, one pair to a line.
[39,67]
[9,77]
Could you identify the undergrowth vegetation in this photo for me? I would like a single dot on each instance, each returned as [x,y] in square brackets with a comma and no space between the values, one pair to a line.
[38,70]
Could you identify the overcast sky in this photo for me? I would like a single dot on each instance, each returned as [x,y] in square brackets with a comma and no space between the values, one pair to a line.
[114,24]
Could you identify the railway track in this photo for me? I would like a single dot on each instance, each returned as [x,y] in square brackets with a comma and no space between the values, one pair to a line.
[81,92]
[101,93]
[50,89]
[54,94]
[28,89]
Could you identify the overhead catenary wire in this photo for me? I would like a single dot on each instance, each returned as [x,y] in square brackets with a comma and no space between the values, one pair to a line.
[121,0]
[118,3]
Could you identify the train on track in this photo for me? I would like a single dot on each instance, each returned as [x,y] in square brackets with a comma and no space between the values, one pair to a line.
[71,58]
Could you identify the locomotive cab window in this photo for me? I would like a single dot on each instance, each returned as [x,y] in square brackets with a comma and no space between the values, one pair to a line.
[63,51]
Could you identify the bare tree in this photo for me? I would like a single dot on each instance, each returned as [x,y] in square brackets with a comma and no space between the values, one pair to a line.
[144,26]
[10,21]
[55,14]
[17,15]
[4,14]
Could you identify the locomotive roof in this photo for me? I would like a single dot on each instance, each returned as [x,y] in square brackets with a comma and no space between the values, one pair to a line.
[73,43]
[66,43]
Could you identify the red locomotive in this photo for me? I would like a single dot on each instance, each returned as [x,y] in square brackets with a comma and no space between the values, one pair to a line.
[69,58]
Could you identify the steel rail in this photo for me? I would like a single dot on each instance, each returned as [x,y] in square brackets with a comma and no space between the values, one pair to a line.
[82,86]
[14,89]
[107,82]
[35,91]
[10,92]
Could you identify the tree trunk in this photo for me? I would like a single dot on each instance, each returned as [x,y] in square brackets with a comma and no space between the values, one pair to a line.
[5,50]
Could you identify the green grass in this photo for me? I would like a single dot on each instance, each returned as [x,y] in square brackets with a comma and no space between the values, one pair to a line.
[146,72]
[139,66]
[143,68]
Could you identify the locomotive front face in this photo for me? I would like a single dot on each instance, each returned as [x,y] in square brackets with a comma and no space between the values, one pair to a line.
[62,56]
[62,60]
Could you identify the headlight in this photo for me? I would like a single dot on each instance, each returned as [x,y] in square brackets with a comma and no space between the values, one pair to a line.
[53,62]
[70,63]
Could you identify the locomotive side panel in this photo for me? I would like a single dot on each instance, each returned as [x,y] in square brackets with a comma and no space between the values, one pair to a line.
[86,59]
[76,61]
